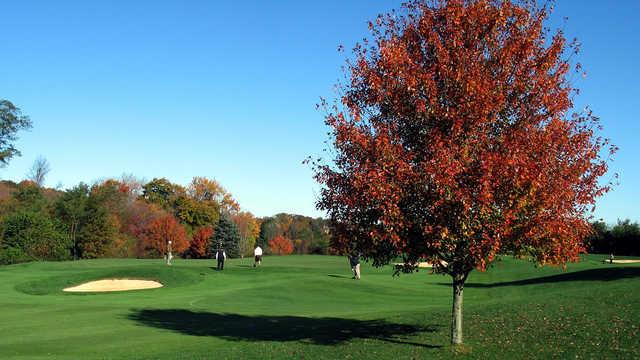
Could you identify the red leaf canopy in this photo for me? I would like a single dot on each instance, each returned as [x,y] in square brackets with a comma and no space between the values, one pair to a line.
[454,140]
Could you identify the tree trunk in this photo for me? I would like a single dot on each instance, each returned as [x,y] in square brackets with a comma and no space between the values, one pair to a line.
[456,313]
[73,238]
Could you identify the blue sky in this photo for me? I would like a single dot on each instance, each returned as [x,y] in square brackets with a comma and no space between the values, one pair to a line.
[227,89]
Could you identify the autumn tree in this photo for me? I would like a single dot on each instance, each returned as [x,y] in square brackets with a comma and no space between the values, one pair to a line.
[7,187]
[200,204]
[210,191]
[97,229]
[116,198]
[310,235]
[11,121]
[97,233]
[454,142]
[155,237]
[248,229]
[131,185]
[321,236]
[280,245]
[196,213]
[200,242]
[162,192]
[142,215]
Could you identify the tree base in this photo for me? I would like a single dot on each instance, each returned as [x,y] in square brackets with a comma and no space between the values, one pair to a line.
[461,349]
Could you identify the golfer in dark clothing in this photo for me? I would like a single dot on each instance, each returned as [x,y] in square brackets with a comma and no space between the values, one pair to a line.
[221,256]
[354,260]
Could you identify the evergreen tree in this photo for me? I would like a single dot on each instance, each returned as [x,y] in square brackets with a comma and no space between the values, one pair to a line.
[268,230]
[227,235]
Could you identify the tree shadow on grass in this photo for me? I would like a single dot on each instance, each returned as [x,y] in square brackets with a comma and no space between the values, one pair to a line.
[321,331]
[604,274]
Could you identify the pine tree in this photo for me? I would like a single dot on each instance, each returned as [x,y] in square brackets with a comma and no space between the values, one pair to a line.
[226,235]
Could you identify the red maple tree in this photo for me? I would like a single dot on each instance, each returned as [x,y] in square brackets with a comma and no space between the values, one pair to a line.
[155,237]
[199,247]
[280,245]
[454,142]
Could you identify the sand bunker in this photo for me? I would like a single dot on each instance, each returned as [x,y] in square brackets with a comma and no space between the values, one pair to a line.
[114,285]
[624,261]
[422,264]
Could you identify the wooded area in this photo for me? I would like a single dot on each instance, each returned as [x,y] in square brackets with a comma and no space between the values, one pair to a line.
[128,217]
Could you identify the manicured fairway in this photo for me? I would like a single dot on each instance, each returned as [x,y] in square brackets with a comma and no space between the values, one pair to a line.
[308,307]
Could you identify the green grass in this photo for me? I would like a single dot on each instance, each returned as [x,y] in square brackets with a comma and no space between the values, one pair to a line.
[308,307]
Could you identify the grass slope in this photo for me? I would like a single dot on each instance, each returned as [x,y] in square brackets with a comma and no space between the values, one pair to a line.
[308,307]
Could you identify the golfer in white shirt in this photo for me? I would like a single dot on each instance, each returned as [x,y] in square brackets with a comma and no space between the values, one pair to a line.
[257,252]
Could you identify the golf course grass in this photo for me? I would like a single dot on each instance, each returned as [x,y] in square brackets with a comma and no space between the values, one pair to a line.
[307,307]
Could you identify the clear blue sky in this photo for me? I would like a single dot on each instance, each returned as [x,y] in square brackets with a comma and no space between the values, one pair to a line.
[227,89]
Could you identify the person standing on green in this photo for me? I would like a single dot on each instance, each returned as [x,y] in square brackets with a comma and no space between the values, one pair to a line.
[257,253]
[221,256]
[354,260]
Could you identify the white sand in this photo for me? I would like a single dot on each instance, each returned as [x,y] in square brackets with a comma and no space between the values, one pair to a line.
[114,285]
[422,264]
[624,261]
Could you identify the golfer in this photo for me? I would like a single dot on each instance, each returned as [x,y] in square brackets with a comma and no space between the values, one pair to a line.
[257,253]
[354,260]
[221,256]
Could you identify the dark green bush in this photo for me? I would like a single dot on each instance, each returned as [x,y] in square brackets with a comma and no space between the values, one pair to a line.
[12,255]
[31,235]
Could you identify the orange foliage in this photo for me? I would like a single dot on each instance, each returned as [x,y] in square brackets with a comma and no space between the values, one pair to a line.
[280,245]
[456,140]
[208,190]
[142,213]
[248,225]
[155,236]
[200,242]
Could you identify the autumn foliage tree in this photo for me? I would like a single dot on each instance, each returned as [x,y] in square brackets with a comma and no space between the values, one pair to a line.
[155,237]
[107,209]
[162,192]
[200,242]
[121,217]
[310,235]
[210,191]
[280,245]
[454,141]
[248,229]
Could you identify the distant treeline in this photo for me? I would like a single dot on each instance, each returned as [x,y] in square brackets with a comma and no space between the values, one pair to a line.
[127,217]
[623,238]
